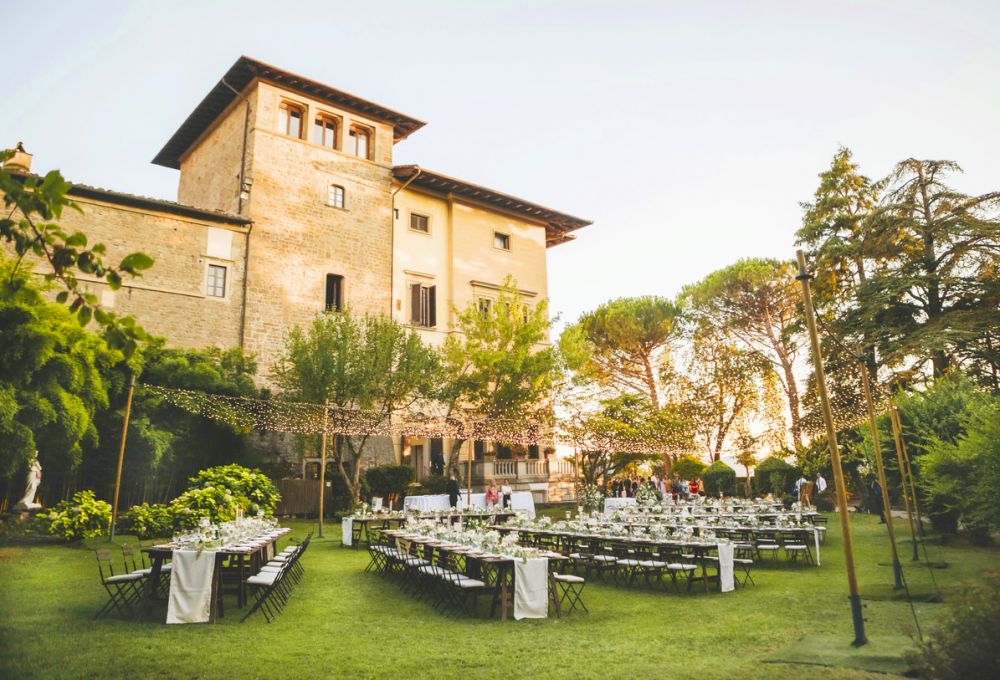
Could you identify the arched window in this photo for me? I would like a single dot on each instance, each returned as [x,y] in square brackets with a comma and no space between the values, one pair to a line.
[290,119]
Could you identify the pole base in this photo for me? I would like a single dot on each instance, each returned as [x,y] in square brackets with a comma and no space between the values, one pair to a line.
[897,573]
[859,621]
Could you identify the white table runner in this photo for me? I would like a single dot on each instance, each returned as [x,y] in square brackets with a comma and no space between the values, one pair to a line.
[531,588]
[191,586]
[727,582]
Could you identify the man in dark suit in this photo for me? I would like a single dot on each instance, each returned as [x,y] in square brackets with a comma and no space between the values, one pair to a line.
[452,491]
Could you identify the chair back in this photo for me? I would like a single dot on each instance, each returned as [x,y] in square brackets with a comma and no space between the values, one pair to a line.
[104,563]
[129,558]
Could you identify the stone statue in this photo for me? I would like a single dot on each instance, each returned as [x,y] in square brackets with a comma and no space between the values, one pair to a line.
[34,479]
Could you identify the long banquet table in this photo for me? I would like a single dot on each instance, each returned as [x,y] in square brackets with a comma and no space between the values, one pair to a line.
[480,565]
[247,559]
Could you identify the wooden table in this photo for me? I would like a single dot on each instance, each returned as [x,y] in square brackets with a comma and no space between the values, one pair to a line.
[158,554]
[500,566]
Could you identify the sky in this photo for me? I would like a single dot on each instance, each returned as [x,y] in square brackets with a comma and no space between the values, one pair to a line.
[689,132]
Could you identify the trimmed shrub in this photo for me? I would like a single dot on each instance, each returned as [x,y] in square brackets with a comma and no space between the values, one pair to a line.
[719,477]
[389,481]
[688,467]
[434,484]
[82,517]
[773,476]
[147,521]
[253,490]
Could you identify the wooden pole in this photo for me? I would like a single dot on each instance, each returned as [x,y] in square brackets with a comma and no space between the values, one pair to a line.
[468,492]
[902,474]
[121,457]
[831,433]
[322,465]
[909,472]
[897,569]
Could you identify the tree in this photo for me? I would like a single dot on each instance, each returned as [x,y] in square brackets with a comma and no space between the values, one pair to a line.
[844,249]
[623,431]
[620,344]
[746,446]
[756,302]
[53,380]
[34,204]
[167,444]
[498,365]
[369,364]
[623,345]
[941,288]
[723,389]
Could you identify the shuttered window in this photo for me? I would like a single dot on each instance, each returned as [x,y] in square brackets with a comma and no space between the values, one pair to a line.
[423,305]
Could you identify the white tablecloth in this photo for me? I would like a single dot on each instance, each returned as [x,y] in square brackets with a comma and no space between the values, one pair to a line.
[191,586]
[346,529]
[613,503]
[726,580]
[531,588]
[519,500]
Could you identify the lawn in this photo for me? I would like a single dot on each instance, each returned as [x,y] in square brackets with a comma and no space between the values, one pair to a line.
[342,622]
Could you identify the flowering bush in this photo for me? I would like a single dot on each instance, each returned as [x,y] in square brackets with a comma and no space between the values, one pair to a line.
[252,489]
[591,498]
[147,521]
[82,517]
[217,503]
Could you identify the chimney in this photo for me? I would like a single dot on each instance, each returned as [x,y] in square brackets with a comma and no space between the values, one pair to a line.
[20,161]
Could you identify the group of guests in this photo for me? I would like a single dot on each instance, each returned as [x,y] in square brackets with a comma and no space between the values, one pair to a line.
[679,489]
[494,494]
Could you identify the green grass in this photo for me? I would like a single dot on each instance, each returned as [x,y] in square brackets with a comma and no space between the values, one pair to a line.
[344,623]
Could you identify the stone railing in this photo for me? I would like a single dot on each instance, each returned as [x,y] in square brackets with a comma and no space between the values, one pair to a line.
[524,470]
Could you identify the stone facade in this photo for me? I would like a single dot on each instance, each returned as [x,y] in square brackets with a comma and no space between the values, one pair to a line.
[257,201]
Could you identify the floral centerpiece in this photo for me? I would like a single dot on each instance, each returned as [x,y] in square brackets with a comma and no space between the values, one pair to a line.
[591,498]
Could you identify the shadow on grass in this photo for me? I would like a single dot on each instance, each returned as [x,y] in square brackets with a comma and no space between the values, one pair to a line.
[882,654]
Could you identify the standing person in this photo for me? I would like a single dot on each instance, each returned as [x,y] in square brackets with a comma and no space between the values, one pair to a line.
[877,501]
[694,487]
[492,495]
[820,483]
[453,491]
[634,487]
[676,488]
[507,493]
[615,486]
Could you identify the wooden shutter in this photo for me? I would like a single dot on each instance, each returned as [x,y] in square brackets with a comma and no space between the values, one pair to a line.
[431,306]
[415,303]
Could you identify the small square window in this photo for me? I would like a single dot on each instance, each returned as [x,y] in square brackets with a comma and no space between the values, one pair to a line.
[216,284]
[420,223]
[335,196]
[501,240]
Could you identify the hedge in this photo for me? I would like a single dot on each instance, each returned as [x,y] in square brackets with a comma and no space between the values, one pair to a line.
[719,477]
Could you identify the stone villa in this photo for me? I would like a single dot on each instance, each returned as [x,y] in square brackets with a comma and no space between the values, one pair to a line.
[288,205]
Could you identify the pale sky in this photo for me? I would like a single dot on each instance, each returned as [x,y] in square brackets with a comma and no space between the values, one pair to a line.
[688,131]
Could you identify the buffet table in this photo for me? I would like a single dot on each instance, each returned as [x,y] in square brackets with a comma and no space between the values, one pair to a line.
[519,500]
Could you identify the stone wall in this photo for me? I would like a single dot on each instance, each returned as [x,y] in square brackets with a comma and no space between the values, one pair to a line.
[169,299]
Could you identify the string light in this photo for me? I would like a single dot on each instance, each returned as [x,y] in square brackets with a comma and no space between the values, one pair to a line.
[275,415]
